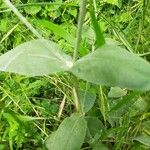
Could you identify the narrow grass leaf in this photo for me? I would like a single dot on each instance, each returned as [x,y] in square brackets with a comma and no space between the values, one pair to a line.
[98,33]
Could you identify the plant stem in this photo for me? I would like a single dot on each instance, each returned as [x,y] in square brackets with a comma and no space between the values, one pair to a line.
[22,19]
[82,13]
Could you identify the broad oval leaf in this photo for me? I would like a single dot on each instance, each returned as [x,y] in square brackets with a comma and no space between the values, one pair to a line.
[114,66]
[70,134]
[35,58]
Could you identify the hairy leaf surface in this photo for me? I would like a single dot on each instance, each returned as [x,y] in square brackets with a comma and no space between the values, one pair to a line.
[114,66]
[35,58]
[70,134]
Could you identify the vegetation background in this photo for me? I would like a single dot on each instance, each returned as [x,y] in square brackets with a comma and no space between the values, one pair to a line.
[30,107]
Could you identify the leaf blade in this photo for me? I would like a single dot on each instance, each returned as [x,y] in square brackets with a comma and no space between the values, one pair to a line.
[144,139]
[114,66]
[35,58]
[56,29]
[100,40]
[70,134]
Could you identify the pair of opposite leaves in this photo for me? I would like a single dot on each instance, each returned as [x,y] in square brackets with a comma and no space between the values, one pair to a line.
[109,65]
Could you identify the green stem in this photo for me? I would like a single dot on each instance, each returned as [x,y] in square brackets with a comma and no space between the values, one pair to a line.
[82,13]
[22,19]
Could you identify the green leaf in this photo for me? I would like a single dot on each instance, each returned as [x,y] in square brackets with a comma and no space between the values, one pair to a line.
[137,146]
[56,29]
[70,134]
[95,126]
[138,107]
[121,107]
[98,33]
[35,58]
[144,139]
[55,5]
[88,34]
[112,65]
[116,92]
[32,10]
[124,104]
[4,25]
[87,100]
[146,126]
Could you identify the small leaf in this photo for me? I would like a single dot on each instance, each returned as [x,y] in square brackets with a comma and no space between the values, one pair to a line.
[70,134]
[87,100]
[32,10]
[35,58]
[112,65]
[116,92]
[144,139]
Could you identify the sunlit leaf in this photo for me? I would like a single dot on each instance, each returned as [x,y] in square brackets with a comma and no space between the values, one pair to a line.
[33,10]
[35,58]
[116,92]
[112,65]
